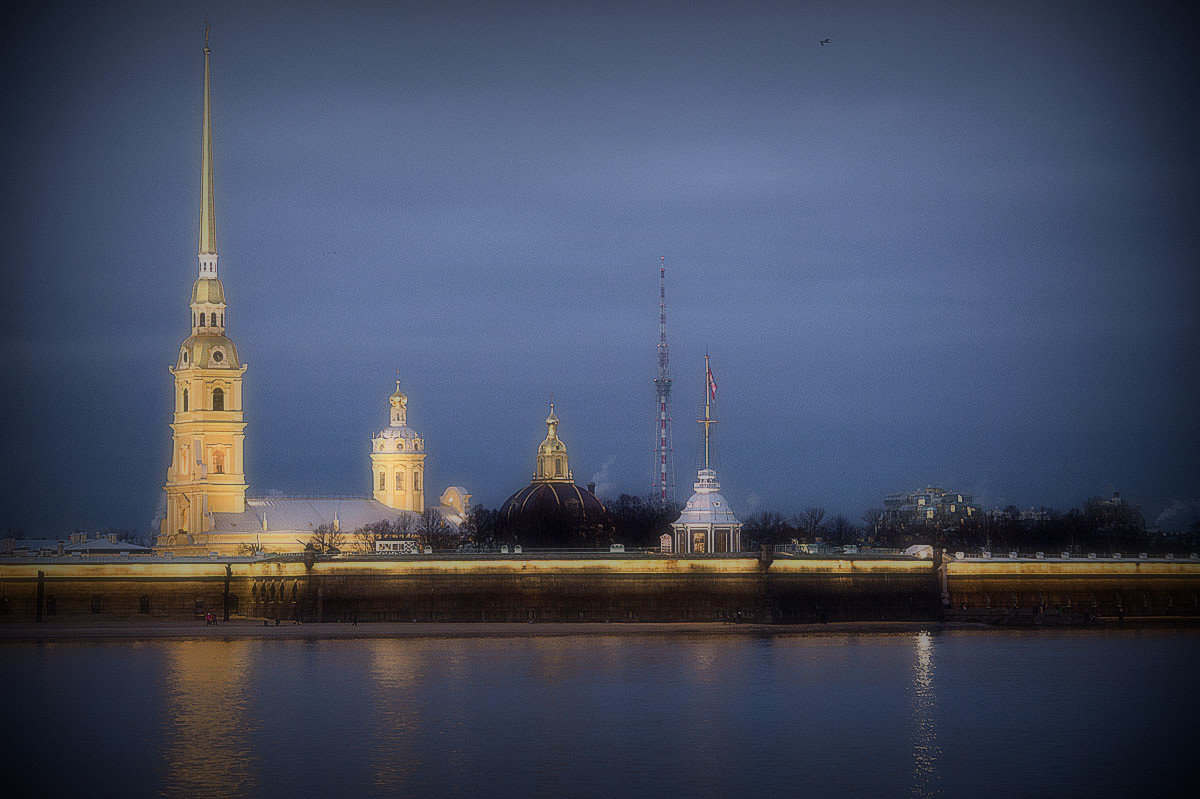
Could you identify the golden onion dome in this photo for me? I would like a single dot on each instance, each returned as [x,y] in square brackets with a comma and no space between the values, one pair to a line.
[208,290]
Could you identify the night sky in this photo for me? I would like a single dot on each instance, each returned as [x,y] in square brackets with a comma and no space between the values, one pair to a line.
[956,245]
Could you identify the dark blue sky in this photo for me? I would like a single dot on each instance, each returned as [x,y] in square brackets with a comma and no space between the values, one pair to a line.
[958,245]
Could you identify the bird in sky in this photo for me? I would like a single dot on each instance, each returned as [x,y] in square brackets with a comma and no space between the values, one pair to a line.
[825,42]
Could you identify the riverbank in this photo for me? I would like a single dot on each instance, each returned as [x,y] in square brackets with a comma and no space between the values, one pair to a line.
[248,629]
[255,629]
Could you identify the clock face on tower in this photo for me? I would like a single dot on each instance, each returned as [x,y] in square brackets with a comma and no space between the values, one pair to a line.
[218,356]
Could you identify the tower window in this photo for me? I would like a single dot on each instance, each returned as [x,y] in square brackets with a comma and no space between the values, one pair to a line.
[218,400]
[185,391]
[558,467]
[219,461]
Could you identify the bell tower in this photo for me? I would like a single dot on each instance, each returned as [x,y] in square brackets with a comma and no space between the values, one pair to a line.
[398,459]
[207,471]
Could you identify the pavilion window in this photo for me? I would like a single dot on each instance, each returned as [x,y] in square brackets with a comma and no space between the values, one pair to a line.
[416,481]
[218,400]
[399,481]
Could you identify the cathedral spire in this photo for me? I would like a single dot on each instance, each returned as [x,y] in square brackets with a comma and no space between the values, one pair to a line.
[208,218]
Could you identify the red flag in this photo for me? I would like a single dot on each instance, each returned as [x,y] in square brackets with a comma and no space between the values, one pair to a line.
[712,384]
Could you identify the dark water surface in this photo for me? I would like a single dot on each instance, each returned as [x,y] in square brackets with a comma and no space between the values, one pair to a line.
[976,714]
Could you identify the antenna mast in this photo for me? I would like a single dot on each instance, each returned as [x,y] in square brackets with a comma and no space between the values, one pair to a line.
[664,473]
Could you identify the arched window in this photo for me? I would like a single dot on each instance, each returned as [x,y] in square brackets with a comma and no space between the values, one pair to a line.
[219,461]
[382,481]
[51,605]
[233,603]
[295,587]
[558,467]
[144,604]
[198,607]
[400,481]
[185,392]
[5,606]
[95,603]
[222,320]
[218,400]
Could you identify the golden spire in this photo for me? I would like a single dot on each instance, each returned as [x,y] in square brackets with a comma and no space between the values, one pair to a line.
[208,217]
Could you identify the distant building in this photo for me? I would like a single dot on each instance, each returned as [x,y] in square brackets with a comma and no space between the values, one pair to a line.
[707,523]
[1112,514]
[930,508]
[552,510]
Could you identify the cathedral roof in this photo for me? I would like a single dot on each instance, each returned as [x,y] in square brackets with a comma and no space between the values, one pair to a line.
[547,499]
[304,514]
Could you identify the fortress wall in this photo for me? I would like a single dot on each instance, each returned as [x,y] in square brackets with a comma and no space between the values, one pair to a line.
[547,588]
[1102,588]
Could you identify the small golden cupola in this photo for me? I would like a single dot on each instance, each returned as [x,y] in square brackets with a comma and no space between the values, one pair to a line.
[552,464]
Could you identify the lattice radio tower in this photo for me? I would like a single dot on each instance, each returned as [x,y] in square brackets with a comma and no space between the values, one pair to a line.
[664,469]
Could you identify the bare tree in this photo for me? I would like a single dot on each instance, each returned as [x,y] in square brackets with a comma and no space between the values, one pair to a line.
[873,519]
[434,531]
[326,540]
[841,531]
[812,522]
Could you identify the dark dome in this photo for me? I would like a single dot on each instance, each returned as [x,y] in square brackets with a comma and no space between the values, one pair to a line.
[541,500]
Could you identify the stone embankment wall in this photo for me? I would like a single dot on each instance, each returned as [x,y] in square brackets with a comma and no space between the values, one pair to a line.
[595,588]
[438,588]
[1101,587]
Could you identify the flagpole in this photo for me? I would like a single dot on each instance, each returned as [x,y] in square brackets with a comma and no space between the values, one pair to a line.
[707,406]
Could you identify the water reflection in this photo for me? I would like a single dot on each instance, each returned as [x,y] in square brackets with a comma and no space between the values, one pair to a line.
[396,671]
[205,747]
[925,749]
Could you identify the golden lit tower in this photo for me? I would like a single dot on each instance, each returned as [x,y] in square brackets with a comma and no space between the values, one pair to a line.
[398,460]
[206,474]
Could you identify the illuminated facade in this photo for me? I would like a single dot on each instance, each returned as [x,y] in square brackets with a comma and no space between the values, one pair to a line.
[207,471]
[207,508]
[398,460]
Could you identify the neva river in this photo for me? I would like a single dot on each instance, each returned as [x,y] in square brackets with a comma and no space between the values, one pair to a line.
[977,714]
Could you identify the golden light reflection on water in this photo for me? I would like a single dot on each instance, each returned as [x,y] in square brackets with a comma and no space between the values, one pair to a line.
[925,748]
[205,751]
[396,671]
